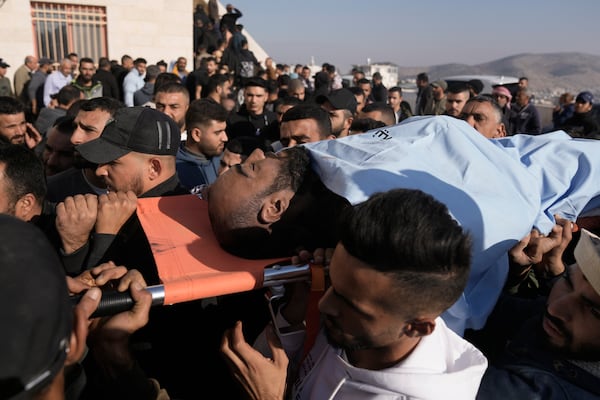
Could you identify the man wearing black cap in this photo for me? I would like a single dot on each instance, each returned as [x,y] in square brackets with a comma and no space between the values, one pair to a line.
[585,122]
[136,158]
[341,106]
[5,86]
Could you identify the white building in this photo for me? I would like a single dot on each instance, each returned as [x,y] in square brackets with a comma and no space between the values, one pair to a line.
[152,29]
[388,71]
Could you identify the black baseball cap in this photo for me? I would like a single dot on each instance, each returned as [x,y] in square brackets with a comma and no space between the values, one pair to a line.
[3,64]
[139,129]
[340,99]
[36,314]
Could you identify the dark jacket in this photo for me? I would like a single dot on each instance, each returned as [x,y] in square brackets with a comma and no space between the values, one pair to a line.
[263,126]
[110,86]
[196,169]
[526,120]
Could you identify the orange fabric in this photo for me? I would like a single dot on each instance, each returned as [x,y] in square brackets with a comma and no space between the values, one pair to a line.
[190,262]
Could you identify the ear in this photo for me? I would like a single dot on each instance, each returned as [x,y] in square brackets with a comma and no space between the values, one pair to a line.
[500,131]
[195,133]
[25,207]
[274,206]
[77,341]
[154,168]
[420,327]
[348,123]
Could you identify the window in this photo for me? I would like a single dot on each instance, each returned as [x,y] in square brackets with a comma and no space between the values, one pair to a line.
[60,29]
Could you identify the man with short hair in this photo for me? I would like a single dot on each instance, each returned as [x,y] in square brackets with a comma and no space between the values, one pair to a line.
[134,80]
[252,119]
[85,81]
[424,93]
[24,73]
[110,86]
[379,91]
[5,86]
[548,347]
[304,123]
[180,70]
[120,71]
[58,153]
[400,262]
[145,95]
[361,99]
[366,87]
[484,114]
[92,117]
[199,155]
[14,128]
[437,103]
[57,79]
[173,100]
[401,108]
[526,117]
[456,98]
[35,89]
[585,122]
[379,112]
[65,98]
[296,89]
[341,106]
[217,89]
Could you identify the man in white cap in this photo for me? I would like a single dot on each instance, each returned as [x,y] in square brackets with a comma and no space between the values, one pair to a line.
[550,345]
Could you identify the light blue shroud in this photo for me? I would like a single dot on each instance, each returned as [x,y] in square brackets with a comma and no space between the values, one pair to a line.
[497,189]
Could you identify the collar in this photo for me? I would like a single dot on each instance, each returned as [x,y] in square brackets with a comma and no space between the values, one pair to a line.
[168,187]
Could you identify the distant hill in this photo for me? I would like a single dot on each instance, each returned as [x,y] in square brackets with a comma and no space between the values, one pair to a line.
[548,73]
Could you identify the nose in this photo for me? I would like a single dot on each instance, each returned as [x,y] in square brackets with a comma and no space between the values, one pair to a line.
[562,307]
[101,170]
[256,155]
[470,120]
[327,303]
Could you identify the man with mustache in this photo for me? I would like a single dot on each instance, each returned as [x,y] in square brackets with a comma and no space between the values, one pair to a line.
[548,347]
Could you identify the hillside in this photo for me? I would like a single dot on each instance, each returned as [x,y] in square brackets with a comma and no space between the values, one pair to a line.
[547,73]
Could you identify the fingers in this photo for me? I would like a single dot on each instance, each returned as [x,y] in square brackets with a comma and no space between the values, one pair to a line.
[280,359]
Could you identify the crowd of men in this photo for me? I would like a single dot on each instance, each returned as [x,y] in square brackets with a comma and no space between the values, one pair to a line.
[83,139]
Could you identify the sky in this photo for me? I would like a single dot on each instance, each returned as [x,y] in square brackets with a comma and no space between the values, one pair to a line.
[418,32]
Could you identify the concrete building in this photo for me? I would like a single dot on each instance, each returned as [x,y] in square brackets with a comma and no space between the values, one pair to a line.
[152,29]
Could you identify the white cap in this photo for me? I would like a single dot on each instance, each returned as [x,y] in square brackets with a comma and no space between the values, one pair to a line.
[587,255]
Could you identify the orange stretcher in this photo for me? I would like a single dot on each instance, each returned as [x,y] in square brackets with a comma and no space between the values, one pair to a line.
[191,264]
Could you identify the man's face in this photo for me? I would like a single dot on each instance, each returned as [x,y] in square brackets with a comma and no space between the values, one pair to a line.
[280,110]
[455,102]
[581,107]
[211,67]
[481,116]
[360,102]
[438,92]
[86,71]
[211,138]
[501,99]
[58,152]
[66,68]
[255,98]
[128,64]
[356,306]
[2,71]
[13,128]
[366,87]
[181,64]
[340,123]
[228,160]
[224,90]
[394,100]
[33,63]
[125,173]
[293,133]
[175,105]
[523,83]
[306,73]
[572,319]
[141,68]
[89,125]
[298,93]
[522,98]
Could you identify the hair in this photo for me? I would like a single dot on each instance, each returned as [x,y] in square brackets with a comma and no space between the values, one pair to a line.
[361,125]
[9,105]
[423,77]
[523,78]
[103,62]
[410,236]
[245,145]
[65,124]
[395,89]
[72,54]
[125,57]
[68,94]
[294,84]
[387,112]
[86,60]
[495,106]
[172,87]
[363,81]
[165,78]
[286,101]
[524,90]
[310,111]
[24,171]
[162,62]
[202,112]
[357,91]
[213,83]
[107,104]
[458,88]
[139,60]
